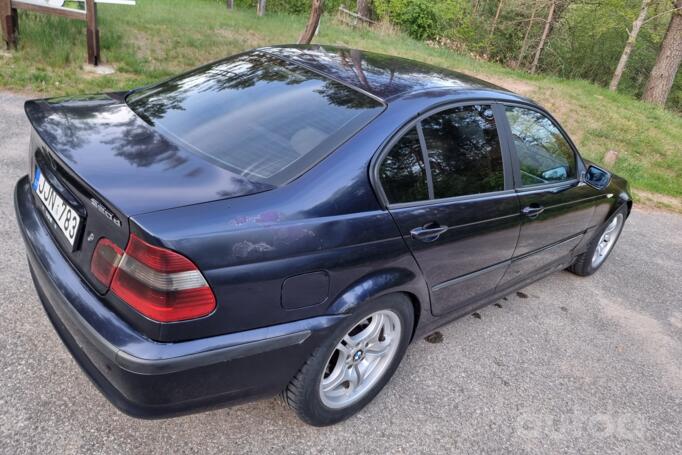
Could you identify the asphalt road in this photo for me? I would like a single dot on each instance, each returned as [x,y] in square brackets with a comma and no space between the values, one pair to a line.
[573,364]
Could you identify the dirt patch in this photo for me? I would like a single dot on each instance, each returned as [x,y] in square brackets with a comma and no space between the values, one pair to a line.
[147,45]
[524,88]
[649,200]
[247,37]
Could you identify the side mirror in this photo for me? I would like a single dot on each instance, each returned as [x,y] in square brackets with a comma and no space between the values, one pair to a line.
[597,177]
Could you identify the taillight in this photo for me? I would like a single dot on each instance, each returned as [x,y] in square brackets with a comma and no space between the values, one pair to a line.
[161,284]
[105,259]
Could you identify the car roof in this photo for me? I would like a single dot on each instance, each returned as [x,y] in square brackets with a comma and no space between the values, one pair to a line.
[383,76]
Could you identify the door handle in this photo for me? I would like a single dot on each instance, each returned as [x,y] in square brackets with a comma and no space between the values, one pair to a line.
[428,233]
[533,210]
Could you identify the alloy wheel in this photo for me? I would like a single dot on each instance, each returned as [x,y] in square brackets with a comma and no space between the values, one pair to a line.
[607,240]
[360,359]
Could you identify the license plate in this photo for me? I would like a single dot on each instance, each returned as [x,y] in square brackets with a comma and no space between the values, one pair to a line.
[63,215]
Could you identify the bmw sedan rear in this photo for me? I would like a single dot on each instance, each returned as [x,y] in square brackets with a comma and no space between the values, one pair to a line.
[147,219]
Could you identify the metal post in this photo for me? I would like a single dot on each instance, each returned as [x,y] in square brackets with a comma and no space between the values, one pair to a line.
[93,32]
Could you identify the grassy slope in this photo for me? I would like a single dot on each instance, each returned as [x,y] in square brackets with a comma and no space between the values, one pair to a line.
[158,38]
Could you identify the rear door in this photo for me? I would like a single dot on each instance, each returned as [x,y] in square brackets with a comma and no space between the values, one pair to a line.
[447,183]
[555,205]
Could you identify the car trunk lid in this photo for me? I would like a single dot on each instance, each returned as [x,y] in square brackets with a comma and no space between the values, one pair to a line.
[126,161]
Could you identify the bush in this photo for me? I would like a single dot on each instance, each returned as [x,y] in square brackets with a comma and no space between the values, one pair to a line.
[425,19]
[292,6]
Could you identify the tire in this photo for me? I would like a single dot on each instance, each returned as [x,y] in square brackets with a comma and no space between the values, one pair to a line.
[346,390]
[588,262]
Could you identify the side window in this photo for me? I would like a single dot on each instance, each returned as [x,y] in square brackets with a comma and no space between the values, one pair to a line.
[402,173]
[464,151]
[544,154]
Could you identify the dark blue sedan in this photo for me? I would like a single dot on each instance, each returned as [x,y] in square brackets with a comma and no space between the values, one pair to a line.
[289,219]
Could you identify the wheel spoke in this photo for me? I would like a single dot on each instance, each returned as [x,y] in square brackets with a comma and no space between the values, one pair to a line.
[371,363]
[347,348]
[373,330]
[340,376]
[354,378]
[378,349]
[612,226]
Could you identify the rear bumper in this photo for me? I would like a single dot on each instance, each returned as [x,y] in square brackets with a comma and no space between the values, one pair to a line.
[145,378]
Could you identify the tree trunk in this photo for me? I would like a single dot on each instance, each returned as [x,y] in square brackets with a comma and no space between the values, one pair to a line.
[497,16]
[260,8]
[364,9]
[629,45]
[668,61]
[524,46]
[543,39]
[356,58]
[313,22]
[230,4]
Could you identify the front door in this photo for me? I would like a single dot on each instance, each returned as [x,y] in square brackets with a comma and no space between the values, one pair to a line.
[556,206]
[448,186]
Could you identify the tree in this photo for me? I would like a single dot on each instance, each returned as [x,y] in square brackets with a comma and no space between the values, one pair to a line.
[313,22]
[230,4]
[260,8]
[629,45]
[524,45]
[364,8]
[543,38]
[668,61]
[497,16]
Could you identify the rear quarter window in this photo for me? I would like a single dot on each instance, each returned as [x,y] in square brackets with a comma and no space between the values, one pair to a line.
[402,173]
[257,115]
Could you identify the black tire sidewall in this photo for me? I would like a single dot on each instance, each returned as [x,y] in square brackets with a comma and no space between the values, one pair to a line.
[310,407]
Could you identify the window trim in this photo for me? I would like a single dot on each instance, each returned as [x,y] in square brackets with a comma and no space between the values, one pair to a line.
[516,163]
[425,157]
[415,122]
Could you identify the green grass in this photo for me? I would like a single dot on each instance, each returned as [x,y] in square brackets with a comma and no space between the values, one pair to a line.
[158,38]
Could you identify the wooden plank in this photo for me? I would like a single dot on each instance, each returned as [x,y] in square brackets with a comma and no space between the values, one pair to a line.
[356,15]
[56,11]
[112,2]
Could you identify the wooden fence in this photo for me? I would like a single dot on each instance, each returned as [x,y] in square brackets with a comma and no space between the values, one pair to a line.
[9,20]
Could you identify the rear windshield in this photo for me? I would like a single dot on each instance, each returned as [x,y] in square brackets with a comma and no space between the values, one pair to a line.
[259,116]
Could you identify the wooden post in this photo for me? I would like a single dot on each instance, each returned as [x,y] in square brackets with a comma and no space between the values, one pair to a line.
[9,22]
[260,7]
[93,32]
[15,25]
[230,4]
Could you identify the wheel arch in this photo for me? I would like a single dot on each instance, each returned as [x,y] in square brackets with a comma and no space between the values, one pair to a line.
[383,283]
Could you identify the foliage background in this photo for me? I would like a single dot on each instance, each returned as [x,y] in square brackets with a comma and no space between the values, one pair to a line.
[585,43]
[159,38]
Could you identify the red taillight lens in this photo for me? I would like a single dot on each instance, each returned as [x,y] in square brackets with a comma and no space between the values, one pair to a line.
[105,259]
[161,284]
